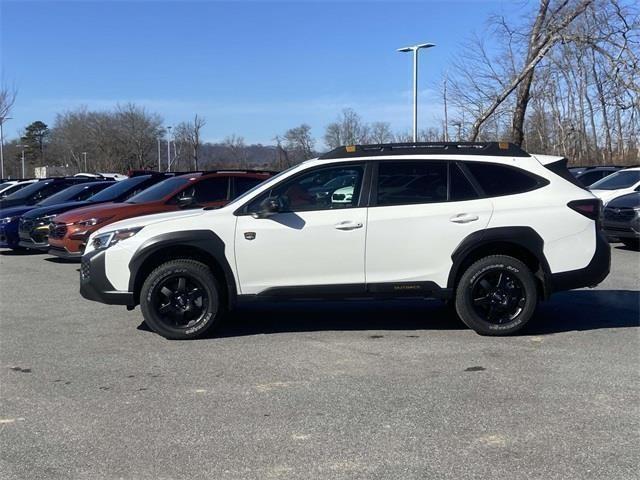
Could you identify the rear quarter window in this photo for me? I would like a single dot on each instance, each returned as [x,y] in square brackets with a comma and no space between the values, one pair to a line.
[497,180]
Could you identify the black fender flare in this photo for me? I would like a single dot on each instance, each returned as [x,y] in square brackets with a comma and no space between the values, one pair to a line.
[523,237]
[203,240]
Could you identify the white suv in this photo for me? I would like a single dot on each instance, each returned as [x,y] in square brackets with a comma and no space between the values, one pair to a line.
[485,226]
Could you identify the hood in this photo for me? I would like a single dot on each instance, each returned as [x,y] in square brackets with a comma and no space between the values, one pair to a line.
[145,220]
[15,211]
[6,203]
[55,209]
[606,195]
[91,211]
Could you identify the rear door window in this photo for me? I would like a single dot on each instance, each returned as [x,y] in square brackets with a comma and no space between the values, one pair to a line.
[211,190]
[407,183]
[244,184]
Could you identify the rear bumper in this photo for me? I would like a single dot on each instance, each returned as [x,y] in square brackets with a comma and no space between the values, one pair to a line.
[94,284]
[590,276]
[63,253]
[621,229]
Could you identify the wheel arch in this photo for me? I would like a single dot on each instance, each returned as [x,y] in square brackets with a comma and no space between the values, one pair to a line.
[523,243]
[202,245]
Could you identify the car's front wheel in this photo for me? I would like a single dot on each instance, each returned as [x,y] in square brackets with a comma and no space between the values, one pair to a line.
[496,295]
[180,299]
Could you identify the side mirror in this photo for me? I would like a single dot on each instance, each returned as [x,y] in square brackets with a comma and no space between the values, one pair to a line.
[184,202]
[268,207]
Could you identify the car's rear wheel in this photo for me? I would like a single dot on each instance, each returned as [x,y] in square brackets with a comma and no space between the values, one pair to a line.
[180,299]
[496,295]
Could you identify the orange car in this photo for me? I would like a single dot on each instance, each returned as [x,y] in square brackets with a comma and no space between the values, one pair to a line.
[70,231]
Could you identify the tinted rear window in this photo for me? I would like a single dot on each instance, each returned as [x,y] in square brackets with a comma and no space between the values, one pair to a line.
[497,180]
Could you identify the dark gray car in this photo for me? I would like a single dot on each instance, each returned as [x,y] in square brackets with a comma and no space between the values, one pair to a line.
[622,219]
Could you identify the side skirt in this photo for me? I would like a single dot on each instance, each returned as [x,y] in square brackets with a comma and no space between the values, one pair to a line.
[354,291]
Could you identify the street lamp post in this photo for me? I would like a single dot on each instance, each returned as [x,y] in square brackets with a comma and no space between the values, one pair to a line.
[2,120]
[168,149]
[159,164]
[22,147]
[84,154]
[415,49]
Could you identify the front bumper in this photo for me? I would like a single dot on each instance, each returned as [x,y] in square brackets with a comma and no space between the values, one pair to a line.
[589,276]
[9,235]
[94,284]
[63,253]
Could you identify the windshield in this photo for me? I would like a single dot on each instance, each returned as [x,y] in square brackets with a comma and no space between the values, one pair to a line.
[262,184]
[159,190]
[623,179]
[26,192]
[65,195]
[120,188]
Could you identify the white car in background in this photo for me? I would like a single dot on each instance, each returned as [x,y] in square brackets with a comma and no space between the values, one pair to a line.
[12,186]
[617,184]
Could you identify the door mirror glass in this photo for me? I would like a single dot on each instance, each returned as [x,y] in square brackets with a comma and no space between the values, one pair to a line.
[184,202]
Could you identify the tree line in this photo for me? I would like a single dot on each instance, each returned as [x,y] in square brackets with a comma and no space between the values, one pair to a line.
[563,80]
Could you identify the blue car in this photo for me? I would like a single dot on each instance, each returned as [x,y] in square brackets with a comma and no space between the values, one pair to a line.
[34,224]
[50,192]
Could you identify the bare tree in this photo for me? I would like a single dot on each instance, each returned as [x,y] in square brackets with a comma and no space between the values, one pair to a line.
[380,132]
[7,99]
[189,133]
[348,129]
[237,150]
[299,143]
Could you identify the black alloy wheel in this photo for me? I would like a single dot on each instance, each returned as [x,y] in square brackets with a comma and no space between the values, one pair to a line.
[498,296]
[181,299]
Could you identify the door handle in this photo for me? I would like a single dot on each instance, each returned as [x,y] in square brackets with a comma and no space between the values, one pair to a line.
[347,225]
[464,218]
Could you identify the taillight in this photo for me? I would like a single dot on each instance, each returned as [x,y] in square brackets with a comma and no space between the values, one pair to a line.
[590,208]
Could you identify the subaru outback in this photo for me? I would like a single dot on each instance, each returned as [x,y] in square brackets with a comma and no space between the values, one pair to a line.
[485,226]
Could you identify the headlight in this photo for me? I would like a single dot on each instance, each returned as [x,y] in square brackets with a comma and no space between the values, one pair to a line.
[91,222]
[108,239]
[5,220]
[46,219]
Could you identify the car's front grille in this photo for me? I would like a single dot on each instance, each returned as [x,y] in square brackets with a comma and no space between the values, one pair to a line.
[85,270]
[57,230]
[619,214]
[25,225]
[613,228]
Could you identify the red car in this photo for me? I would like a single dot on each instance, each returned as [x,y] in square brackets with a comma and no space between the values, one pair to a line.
[71,230]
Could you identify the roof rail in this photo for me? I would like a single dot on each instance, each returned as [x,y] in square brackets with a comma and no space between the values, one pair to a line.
[239,170]
[502,149]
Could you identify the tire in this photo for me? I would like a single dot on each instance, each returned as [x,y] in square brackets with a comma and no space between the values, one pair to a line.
[181,300]
[497,295]
[632,243]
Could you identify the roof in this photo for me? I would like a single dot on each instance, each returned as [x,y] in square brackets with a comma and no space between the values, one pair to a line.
[502,149]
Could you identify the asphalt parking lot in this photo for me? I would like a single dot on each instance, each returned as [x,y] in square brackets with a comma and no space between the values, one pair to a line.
[316,390]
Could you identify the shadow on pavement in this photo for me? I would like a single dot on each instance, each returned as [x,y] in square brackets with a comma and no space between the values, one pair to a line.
[567,311]
[62,260]
[18,253]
